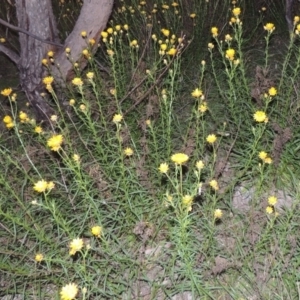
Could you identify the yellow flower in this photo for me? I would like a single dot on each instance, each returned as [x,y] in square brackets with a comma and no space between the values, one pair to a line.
[163,47]
[163,168]
[296,19]
[272,200]
[104,34]
[48,80]
[262,155]
[128,151]
[211,138]
[272,91]
[126,27]
[236,11]
[165,32]
[210,46]
[203,107]
[268,160]
[6,92]
[232,21]
[54,143]
[92,42]
[83,34]
[2,40]
[197,93]
[68,50]
[214,184]
[50,53]
[269,27]
[45,62]
[86,52]
[199,165]
[193,15]
[54,118]
[50,185]
[7,119]
[117,118]
[110,52]
[96,231]
[110,30]
[10,125]
[90,75]
[228,38]
[214,31]
[39,257]
[269,210]
[260,116]
[23,116]
[77,81]
[71,102]
[187,200]
[133,43]
[82,107]
[75,245]
[76,158]
[38,129]
[165,6]
[230,54]
[172,52]
[218,214]
[69,292]
[40,186]
[179,158]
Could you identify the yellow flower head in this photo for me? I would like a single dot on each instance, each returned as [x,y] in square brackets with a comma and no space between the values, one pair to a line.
[75,245]
[197,93]
[83,34]
[7,119]
[268,160]
[165,32]
[260,116]
[90,75]
[76,157]
[39,257]
[214,31]
[110,30]
[163,47]
[269,210]
[50,54]
[179,158]
[38,129]
[262,155]
[187,200]
[133,43]
[48,80]
[2,40]
[69,292]
[23,117]
[96,231]
[50,185]
[128,151]
[236,11]
[6,92]
[230,54]
[126,27]
[296,20]
[218,214]
[163,168]
[68,50]
[203,107]
[214,184]
[117,118]
[272,200]
[269,27]
[211,138]
[172,52]
[210,46]
[104,34]
[45,62]
[77,81]
[71,102]
[199,165]
[272,91]
[40,186]
[193,16]
[54,143]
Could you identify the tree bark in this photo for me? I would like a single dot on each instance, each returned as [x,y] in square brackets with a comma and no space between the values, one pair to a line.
[36,19]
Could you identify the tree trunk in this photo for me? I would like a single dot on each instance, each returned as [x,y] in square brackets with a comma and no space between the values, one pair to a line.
[35,17]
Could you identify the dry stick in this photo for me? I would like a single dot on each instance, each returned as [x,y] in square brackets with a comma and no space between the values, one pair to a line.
[15,28]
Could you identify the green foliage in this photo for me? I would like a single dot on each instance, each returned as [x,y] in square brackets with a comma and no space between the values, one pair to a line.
[170,170]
